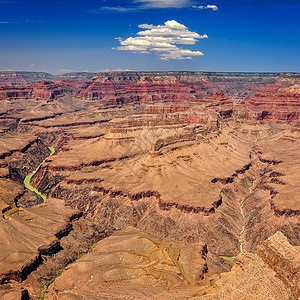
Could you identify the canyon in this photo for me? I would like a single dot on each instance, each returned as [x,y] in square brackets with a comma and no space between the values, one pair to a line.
[155,177]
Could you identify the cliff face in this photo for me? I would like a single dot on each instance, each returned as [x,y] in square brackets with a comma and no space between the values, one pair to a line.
[284,259]
[256,96]
[11,93]
[195,158]
[262,276]
[278,104]
[153,270]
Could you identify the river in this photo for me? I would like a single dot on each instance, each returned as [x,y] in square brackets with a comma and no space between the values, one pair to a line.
[28,177]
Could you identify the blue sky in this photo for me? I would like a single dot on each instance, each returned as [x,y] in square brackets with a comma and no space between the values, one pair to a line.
[95,35]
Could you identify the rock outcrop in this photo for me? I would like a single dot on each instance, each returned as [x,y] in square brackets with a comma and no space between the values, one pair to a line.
[182,158]
[131,264]
[284,259]
[147,265]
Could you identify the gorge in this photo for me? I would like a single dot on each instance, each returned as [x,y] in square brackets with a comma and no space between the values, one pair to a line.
[155,176]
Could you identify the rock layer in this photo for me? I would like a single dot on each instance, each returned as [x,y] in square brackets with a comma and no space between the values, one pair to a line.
[185,158]
[131,264]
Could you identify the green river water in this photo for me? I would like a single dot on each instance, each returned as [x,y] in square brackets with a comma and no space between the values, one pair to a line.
[28,177]
[230,259]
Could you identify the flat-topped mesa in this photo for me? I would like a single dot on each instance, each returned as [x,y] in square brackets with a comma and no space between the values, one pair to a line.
[126,90]
[118,77]
[157,89]
[104,86]
[46,90]
[72,84]
[280,104]
[287,96]
[123,88]
[284,259]
[78,76]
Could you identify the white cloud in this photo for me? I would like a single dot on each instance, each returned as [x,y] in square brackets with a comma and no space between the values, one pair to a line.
[163,40]
[164,3]
[114,70]
[121,9]
[209,6]
[213,7]
[140,5]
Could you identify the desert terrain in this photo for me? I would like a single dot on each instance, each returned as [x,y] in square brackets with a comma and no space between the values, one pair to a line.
[160,185]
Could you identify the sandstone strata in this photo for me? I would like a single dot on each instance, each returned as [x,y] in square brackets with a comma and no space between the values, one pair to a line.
[131,264]
[283,259]
[185,158]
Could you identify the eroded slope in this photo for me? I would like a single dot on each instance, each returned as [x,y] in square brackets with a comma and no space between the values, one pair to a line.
[167,154]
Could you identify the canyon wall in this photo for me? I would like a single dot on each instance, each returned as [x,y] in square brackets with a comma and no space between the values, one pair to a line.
[203,159]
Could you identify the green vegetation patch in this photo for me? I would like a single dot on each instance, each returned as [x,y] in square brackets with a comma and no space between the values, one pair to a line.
[230,259]
[93,247]
[46,286]
[28,177]
[52,151]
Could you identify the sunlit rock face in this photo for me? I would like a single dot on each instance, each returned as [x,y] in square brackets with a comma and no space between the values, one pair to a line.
[131,264]
[205,164]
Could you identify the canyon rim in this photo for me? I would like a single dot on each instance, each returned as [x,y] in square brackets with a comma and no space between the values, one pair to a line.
[149,150]
[170,185]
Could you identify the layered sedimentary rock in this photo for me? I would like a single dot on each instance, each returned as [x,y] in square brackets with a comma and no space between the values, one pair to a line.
[283,259]
[13,93]
[259,276]
[278,104]
[134,263]
[47,90]
[27,234]
[30,229]
[42,90]
[181,158]
[131,264]
[276,99]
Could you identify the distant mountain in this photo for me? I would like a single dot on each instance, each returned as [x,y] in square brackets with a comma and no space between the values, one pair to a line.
[85,76]
[23,78]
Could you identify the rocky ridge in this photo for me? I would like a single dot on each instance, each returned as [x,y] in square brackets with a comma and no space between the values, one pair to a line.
[131,264]
[191,158]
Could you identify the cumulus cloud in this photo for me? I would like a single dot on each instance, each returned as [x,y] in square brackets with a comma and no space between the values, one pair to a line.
[209,6]
[163,40]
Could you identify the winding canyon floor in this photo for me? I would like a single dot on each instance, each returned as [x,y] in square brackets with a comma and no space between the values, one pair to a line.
[153,179]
